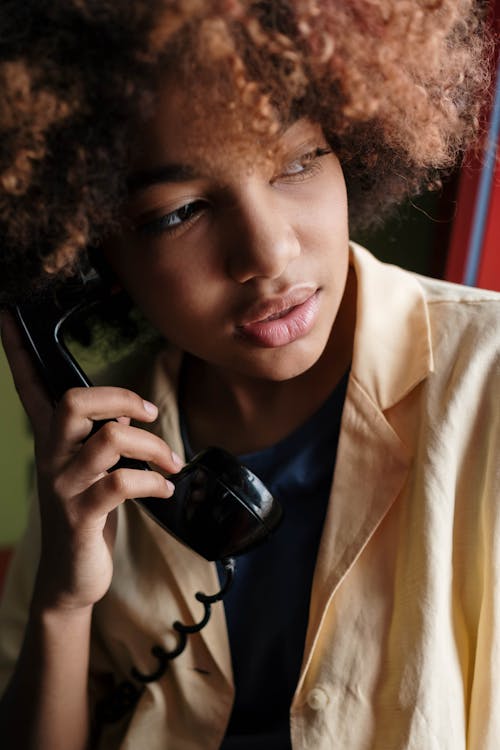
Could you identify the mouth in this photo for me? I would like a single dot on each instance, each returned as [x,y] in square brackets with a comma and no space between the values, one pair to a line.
[278,307]
[281,321]
[281,314]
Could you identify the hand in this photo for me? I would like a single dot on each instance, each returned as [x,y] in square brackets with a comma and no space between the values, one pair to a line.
[78,497]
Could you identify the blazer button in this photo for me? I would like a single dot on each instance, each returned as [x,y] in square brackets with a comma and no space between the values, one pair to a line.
[317,699]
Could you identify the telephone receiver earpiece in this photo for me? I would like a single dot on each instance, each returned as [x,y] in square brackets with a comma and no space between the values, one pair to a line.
[219,508]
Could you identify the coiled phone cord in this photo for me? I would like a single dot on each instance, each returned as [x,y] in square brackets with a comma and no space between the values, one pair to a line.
[183,631]
[126,694]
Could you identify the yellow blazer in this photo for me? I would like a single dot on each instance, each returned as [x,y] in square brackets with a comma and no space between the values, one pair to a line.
[403,643]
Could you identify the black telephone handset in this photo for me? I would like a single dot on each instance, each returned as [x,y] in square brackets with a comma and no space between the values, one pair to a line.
[219,509]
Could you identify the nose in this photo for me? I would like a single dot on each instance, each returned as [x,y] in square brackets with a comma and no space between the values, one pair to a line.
[262,237]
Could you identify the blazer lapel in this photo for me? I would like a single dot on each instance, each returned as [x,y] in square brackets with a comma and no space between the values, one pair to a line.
[392,355]
[371,469]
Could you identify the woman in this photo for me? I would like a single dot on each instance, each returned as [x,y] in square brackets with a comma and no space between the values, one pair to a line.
[213,159]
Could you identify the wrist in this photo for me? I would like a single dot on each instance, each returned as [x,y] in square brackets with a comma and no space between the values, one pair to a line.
[62,592]
[52,612]
[60,631]
[46,606]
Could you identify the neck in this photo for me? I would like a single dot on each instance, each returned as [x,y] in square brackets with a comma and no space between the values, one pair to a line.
[245,414]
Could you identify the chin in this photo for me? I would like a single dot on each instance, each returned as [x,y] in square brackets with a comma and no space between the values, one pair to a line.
[279,366]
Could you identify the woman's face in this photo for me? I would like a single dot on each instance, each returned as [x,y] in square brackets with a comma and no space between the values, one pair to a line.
[241,263]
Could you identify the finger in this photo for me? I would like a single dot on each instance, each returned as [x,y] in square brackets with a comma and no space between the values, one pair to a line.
[113,489]
[81,407]
[104,449]
[26,380]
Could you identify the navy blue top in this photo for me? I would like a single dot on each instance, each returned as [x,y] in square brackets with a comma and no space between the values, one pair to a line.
[267,607]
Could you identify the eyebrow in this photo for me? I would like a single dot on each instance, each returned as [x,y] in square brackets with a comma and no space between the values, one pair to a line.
[144,178]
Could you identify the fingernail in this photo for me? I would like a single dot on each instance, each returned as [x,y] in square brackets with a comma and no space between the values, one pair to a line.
[170,486]
[150,408]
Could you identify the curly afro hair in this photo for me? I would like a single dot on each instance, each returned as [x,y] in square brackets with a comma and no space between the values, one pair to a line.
[397,86]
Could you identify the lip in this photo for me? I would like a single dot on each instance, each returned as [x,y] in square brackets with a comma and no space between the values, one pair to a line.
[282,320]
[264,309]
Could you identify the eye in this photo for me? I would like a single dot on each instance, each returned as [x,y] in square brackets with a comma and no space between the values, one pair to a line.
[174,220]
[304,166]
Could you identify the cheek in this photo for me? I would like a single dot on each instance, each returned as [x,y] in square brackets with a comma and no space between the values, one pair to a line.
[325,233]
[334,209]
[323,214]
[176,289]
[335,194]
[175,302]
[143,272]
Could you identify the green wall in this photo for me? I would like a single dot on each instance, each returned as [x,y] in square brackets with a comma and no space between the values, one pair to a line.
[15,459]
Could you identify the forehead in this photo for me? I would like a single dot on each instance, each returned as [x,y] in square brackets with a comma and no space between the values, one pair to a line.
[206,128]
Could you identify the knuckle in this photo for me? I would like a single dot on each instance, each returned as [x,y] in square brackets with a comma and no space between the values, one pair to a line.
[159,483]
[118,483]
[71,402]
[133,397]
[58,487]
[130,400]
[110,432]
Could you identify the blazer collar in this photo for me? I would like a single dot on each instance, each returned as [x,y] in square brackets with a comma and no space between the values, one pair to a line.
[392,344]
